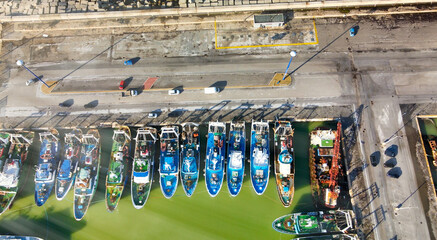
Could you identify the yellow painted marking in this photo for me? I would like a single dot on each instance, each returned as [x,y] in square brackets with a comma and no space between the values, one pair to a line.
[315,32]
[46,90]
[278,77]
[268,45]
[215,33]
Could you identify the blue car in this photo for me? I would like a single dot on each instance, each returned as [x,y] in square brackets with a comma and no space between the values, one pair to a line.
[354,30]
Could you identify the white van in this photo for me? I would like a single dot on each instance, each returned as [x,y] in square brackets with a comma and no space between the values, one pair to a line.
[211,90]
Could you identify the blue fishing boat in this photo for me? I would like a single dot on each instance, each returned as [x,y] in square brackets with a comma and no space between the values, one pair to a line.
[284,161]
[169,160]
[142,169]
[87,175]
[236,153]
[215,157]
[46,168]
[190,157]
[259,156]
[67,166]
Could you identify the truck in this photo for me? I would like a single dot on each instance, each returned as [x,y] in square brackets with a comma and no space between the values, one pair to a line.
[211,90]
[130,92]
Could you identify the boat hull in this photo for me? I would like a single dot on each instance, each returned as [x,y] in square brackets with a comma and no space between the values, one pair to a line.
[12,166]
[259,157]
[169,160]
[324,161]
[284,162]
[47,166]
[6,198]
[68,165]
[6,194]
[117,170]
[190,158]
[215,154]
[143,166]
[236,158]
[140,191]
[87,176]
[316,223]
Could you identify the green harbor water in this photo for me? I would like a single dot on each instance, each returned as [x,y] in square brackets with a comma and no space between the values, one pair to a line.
[247,216]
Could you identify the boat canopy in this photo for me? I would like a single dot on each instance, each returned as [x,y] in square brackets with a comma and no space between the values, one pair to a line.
[141,177]
[140,165]
[260,157]
[323,138]
[284,169]
[115,171]
[168,164]
[64,172]
[8,178]
[44,172]
[83,178]
[189,165]
[236,160]
[285,157]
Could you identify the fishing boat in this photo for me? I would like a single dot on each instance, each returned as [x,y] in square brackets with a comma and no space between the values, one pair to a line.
[169,160]
[142,169]
[284,161]
[87,175]
[339,236]
[5,144]
[316,223]
[47,164]
[118,164]
[190,157]
[215,157]
[259,156]
[68,165]
[12,165]
[236,153]
[324,163]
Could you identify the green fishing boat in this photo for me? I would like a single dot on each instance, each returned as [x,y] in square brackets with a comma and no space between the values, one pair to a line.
[116,177]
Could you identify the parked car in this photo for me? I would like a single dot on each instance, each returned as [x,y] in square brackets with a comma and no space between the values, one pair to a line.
[152,115]
[211,90]
[354,30]
[375,158]
[391,163]
[174,92]
[391,151]
[395,172]
[121,86]
[31,81]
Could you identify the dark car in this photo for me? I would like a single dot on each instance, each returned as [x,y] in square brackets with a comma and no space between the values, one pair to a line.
[391,163]
[375,158]
[395,172]
[392,151]
[121,86]
[279,36]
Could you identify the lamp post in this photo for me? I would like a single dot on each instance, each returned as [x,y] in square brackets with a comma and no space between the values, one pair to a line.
[21,64]
[292,54]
